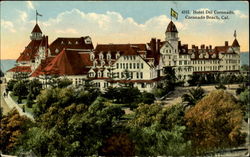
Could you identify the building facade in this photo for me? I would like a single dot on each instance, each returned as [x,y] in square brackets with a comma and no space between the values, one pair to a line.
[141,65]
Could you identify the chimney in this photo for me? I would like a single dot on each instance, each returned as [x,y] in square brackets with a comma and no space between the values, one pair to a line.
[202,46]
[210,47]
[153,45]
[206,47]
[226,43]
[158,46]
[193,46]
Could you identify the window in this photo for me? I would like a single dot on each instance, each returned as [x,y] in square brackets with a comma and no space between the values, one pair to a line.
[108,56]
[118,75]
[137,74]
[180,62]
[138,66]
[141,74]
[117,65]
[76,42]
[121,65]
[130,65]
[117,55]
[126,65]
[134,65]
[142,65]
[185,62]
[143,85]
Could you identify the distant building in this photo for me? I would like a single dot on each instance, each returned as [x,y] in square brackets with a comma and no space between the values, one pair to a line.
[113,64]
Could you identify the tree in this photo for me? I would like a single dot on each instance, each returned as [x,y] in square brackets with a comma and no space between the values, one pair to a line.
[10,85]
[244,100]
[67,129]
[214,122]
[34,88]
[158,132]
[12,127]
[245,67]
[20,89]
[193,96]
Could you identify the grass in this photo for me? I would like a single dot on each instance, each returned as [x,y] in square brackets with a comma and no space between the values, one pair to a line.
[24,101]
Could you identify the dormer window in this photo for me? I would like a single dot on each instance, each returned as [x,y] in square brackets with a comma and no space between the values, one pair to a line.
[108,56]
[56,50]
[76,42]
[117,55]
[110,63]
[101,56]
[99,74]
[69,42]
[214,55]
[62,42]
[87,41]
[91,74]
[193,56]
[102,63]
[92,56]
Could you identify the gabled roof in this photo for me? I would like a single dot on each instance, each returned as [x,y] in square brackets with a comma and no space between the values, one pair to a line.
[30,51]
[67,62]
[40,69]
[26,69]
[69,43]
[235,43]
[36,29]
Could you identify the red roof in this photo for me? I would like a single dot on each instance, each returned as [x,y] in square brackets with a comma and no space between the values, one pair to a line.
[36,29]
[67,62]
[26,69]
[40,69]
[30,51]
[70,43]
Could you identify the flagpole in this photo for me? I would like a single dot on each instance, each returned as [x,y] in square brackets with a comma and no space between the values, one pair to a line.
[36,16]
[171,13]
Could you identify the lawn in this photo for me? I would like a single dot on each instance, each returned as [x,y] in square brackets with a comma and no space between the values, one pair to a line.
[24,101]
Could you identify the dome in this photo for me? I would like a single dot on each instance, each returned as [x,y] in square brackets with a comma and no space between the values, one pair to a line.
[171,27]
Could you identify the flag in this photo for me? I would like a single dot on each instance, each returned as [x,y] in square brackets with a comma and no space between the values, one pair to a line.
[174,14]
[38,14]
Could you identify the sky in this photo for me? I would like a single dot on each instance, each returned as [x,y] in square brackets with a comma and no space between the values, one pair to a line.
[121,22]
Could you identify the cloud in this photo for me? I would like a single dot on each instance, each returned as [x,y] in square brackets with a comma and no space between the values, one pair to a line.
[8,25]
[23,15]
[107,27]
[240,14]
[30,5]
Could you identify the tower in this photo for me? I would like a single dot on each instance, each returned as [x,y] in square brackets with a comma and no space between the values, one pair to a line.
[171,35]
[235,44]
[36,33]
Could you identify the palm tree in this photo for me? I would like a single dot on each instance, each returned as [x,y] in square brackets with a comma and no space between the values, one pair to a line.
[193,96]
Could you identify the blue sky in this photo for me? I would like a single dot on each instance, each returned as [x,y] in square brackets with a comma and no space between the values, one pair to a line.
[118,22]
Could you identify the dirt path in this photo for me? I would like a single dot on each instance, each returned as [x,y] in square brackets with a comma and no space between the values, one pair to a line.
[5,107]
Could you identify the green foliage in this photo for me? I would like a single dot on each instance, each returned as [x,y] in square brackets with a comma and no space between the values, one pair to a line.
[10,85]
[241,88]
[20,89]
[158,132]
[12,127]
[1,73]
[244,99]
[214,122]
[123,95]
[193,96]
[73,129]
[34,88]
[245,67]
